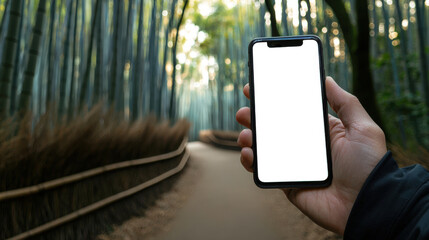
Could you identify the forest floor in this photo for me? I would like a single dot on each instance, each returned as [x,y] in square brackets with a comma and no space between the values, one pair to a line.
[215,198]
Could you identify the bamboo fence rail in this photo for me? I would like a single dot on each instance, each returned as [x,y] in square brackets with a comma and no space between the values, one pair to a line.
[20,192]
[208,137]
[97,205]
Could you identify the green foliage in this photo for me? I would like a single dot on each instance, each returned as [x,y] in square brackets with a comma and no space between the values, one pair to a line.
[405,105]
[382,60]
[412,109]
[214,25]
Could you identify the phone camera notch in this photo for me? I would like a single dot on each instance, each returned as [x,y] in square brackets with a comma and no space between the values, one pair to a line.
[285,43]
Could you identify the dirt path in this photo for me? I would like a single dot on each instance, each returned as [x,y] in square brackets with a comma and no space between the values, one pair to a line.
[217,199]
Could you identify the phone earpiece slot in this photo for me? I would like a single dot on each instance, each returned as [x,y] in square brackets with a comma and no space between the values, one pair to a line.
[285,43]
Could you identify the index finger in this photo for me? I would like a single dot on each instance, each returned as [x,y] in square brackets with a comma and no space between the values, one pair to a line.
[246,91]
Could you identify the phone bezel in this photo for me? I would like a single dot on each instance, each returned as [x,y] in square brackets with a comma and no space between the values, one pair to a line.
[300,184]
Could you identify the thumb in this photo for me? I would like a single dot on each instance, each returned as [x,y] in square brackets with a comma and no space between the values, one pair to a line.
[346,105]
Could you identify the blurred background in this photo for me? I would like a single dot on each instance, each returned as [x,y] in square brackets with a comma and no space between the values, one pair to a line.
[188,59]
[88,83]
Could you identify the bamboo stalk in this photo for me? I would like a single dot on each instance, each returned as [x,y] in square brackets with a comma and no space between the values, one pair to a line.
[165,56]
[74,55]
[152,57]
[89,173]
[300,31]
[270,8]
[423,57]
[9,55]
[17,67]
[99,68]
[119,89]
[85,81]
[308,18]
[49,90]
[172,110]
[284,18]
[66,64]
[138,69]
[220,81]
[4,21]
[29,73]
[102,203]
[390,50]
[127,54]
[261,23]
[115,55]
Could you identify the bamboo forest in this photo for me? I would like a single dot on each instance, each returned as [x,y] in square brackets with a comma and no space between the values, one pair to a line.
[87,83]
[188,60]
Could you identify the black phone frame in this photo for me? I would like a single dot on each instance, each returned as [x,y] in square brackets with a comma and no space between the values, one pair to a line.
[301,184]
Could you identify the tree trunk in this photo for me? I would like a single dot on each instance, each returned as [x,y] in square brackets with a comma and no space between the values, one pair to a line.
[157,80]
[27,85]
[72,79]
[137,76]
[17,67]
[235,58]
[66,65]
[270,8]
[99,69]
[51,55]
[82,46]
[357,40]
[262,21]
[128,44]
[4,24]
[375,52]
[404,49]
[9,55]
[328,49]
[151,56]
[284,18]
[119,90]
[164,63]
[220,82]
[421,34]
[375,21]
[172,111]
[85,81]
[308,18]
[391,51]
[300,31]
[394,70]
[115,57]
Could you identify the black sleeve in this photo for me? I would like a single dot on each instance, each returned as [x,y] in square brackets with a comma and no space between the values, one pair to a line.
[392,204]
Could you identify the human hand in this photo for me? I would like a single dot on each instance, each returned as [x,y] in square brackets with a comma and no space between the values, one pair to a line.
[357,145]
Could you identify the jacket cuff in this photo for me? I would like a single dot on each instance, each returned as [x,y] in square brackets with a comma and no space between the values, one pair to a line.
[384,196]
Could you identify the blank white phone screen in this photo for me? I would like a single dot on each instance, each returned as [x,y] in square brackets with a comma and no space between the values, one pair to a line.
[290,131]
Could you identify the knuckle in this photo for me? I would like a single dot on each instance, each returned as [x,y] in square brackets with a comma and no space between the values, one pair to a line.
[353,99]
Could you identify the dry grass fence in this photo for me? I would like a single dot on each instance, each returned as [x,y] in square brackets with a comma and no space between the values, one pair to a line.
[41,153]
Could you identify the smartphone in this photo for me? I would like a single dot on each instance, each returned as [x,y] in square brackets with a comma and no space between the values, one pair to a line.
[289,113]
